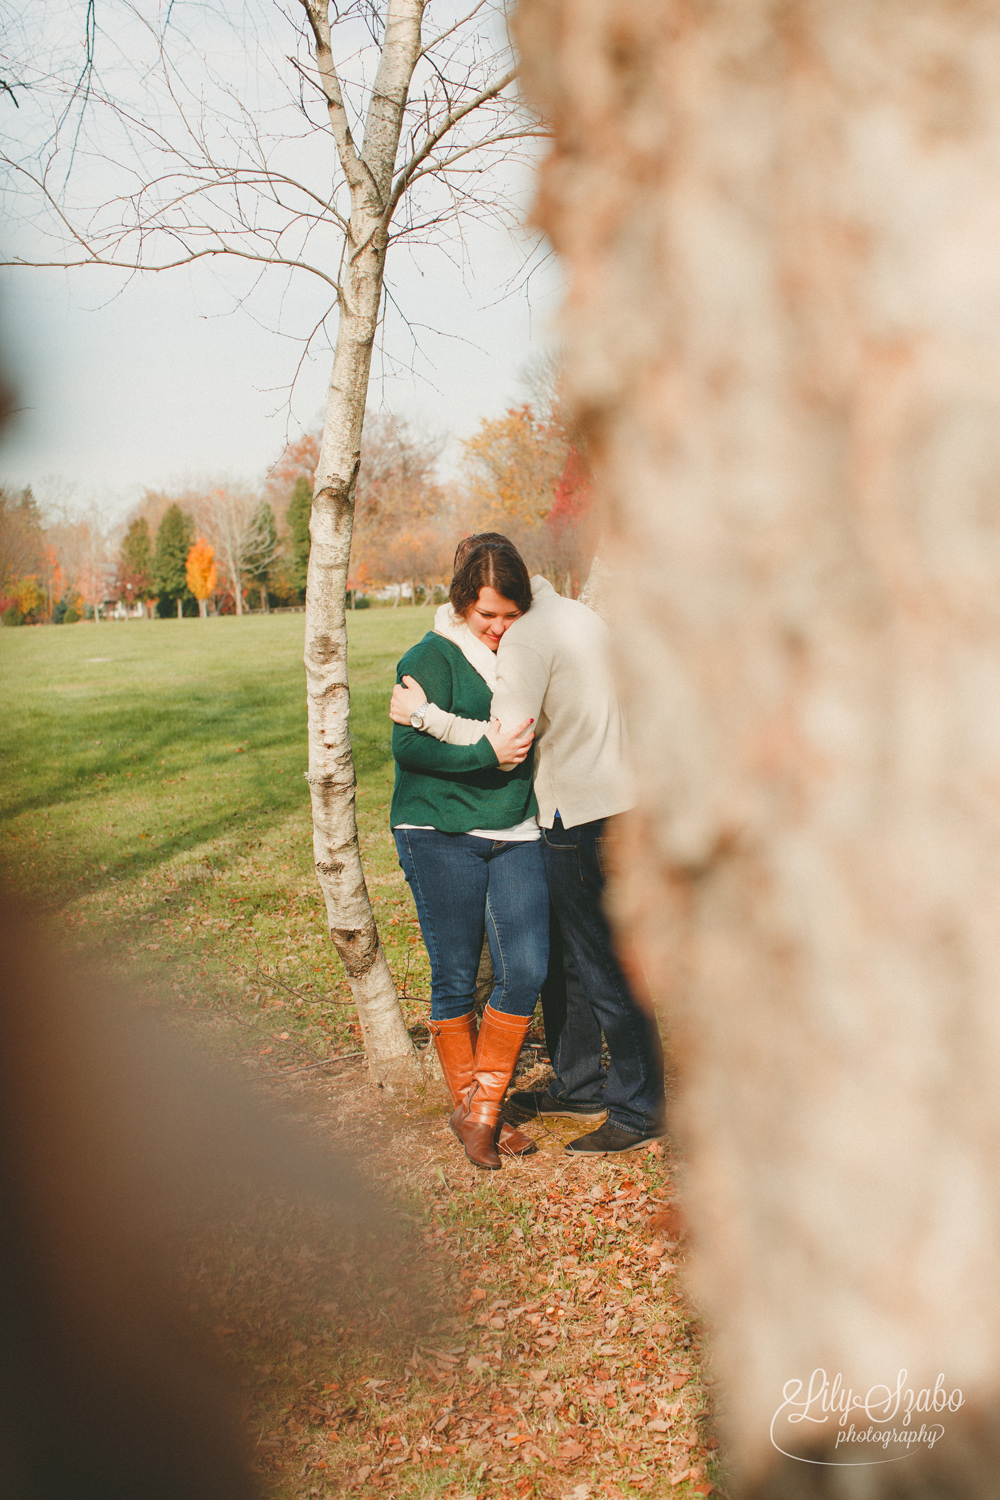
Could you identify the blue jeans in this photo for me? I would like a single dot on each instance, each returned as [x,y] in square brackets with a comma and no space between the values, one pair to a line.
[464,886]
[591,996]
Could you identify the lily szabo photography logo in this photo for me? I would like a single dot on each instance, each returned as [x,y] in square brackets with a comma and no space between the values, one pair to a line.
[897,1419]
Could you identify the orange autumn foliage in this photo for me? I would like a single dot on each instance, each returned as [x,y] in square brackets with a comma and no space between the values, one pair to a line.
[523,477]
[513,464]
[200,570]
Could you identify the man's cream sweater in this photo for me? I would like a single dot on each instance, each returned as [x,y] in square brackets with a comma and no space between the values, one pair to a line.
[553,667]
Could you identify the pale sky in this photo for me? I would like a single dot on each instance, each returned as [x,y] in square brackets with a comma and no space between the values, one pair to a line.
[161,378]
[160,382]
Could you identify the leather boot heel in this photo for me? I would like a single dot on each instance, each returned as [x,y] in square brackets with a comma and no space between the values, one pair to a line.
[476,1119]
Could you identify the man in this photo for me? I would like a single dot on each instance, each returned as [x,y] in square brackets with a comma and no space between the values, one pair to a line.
[553,668]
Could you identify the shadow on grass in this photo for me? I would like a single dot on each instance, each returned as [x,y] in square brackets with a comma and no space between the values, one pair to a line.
[144,766]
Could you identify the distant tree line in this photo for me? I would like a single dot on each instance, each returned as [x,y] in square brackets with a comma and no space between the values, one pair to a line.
[224,548]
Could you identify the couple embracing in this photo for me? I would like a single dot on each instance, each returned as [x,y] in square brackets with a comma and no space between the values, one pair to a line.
[510,753]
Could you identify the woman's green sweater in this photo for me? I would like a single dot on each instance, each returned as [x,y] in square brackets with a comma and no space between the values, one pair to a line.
[453,787]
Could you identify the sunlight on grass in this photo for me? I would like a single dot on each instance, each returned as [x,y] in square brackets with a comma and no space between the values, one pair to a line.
[154,793]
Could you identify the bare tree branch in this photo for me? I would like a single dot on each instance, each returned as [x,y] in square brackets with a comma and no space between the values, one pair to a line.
[430,47]
[405,177]
[350,161]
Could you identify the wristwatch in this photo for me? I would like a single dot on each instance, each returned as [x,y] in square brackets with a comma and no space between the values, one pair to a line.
[419,714]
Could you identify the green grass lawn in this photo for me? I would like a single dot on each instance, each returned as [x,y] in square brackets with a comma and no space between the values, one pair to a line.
[153,795]
[153,803]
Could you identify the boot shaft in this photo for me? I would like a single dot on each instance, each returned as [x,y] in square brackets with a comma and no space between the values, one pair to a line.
[455,1044]
[501,1037]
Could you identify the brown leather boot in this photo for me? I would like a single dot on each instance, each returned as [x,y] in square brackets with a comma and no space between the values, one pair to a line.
[455,1042]
[497,1051]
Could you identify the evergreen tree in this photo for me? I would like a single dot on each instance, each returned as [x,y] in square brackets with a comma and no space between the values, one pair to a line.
[135,563]
[299,511]
[261,549]
[21,540]
[173,543]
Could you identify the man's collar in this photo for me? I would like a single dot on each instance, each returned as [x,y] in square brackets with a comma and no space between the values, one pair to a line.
[540,586]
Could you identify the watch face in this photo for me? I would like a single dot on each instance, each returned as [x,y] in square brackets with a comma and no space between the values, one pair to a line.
[417,719]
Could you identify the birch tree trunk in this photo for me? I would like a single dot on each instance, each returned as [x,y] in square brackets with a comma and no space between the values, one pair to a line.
[782,224]
[391,1054]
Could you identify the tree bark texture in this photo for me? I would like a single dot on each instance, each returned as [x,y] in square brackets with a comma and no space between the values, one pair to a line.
[782,227]
[388,1045]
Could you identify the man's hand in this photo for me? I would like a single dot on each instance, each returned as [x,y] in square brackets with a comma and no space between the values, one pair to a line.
[510,745]
[406,700]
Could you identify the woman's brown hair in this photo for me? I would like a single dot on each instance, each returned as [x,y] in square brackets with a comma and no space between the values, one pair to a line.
[469,544]
[492,567]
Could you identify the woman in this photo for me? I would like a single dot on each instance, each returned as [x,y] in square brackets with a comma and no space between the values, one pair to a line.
[464,821]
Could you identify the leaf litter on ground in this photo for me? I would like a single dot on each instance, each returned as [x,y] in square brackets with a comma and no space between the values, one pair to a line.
[529,1338]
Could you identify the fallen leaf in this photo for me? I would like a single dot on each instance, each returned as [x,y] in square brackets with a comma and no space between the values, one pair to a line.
[570,1449]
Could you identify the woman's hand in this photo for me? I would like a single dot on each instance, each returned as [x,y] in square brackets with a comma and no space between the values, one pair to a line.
[510,745]
[406,700]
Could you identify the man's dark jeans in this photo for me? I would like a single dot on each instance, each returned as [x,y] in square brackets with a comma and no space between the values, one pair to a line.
[594,997]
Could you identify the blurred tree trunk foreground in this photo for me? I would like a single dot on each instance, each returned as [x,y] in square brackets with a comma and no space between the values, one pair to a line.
[782,228]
